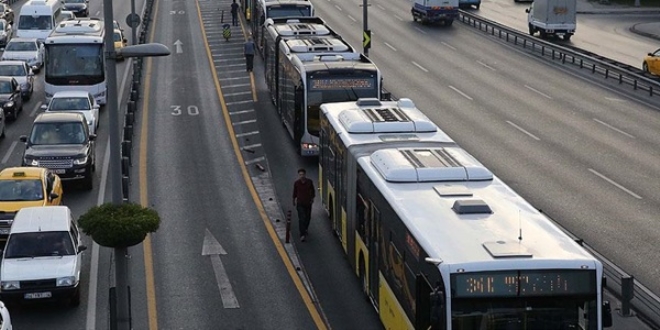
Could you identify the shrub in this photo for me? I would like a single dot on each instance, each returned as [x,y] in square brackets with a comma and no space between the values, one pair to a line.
[119,225]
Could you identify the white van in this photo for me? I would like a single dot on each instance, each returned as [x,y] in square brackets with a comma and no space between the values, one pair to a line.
[38,18]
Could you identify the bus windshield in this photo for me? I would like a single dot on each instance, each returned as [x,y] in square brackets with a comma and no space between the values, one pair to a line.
[326,88]
[530,313]
[71,64]
[28,22]
[286,11]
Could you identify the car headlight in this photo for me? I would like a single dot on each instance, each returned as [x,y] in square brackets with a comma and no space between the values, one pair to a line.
[10,285]
[80,161]
[66,281]
[9,104]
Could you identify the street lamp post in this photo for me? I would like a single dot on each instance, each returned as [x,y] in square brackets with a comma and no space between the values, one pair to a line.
[122,302]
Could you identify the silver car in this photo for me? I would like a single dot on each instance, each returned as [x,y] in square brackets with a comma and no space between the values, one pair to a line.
[78,101]
[5,33]
[29,50]
[22,73]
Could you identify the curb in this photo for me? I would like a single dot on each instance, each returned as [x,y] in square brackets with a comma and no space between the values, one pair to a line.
[634,29]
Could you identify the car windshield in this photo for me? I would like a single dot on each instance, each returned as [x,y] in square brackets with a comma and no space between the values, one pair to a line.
[69,103]
[74,1]
[14,70]
[29,22]
[21,46]
[21,190]
[39,244]
[2,7]
[2,24]
[58,133]
[117,36]
[5,87]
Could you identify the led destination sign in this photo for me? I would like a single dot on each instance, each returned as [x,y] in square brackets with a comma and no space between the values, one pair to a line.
[524,283]
[349,83]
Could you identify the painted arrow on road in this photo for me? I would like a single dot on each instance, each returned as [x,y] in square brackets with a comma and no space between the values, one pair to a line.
[178,45]
[212,248]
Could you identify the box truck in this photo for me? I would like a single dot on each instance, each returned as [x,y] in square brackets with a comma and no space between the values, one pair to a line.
[434,11]
[552,18]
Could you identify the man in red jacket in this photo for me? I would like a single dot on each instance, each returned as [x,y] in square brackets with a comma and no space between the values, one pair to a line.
[303,198]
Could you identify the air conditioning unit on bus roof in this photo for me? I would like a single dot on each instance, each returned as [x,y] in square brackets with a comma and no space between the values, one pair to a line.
[79,27]
[302,29]
[315,45]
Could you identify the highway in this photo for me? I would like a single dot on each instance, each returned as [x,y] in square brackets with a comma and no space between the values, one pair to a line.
[604,34]
[60,316]
[581,152]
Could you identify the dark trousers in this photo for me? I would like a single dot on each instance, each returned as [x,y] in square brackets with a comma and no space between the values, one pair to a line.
[249,61]
[234,18]
[304,216]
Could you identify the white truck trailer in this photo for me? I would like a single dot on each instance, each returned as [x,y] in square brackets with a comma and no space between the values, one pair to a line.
[434,11]
[552,18]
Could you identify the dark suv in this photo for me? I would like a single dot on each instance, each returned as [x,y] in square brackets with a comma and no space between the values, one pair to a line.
[61,141]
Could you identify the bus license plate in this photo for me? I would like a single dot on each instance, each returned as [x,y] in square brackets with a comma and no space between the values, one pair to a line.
[38,295]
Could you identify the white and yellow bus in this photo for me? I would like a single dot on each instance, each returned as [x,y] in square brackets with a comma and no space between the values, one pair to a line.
[436,239]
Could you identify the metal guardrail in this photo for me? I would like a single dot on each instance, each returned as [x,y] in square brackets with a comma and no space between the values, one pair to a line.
[621,73]
[642,300]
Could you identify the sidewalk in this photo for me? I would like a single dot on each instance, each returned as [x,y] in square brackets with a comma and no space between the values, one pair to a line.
[603,7]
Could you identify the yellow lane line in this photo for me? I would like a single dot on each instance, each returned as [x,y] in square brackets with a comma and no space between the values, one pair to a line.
[311,307]
[152,312]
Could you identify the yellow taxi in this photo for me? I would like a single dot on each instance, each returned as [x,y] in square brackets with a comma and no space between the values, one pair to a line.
[652,63]
[26,186]
[120,41]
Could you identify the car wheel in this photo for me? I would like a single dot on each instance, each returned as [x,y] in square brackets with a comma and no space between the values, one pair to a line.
[645,67]
[75,299]
[88,181]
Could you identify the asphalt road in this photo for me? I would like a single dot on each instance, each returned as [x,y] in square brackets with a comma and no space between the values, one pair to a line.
[579,150]
[57,316]
[604,34]
[194,180]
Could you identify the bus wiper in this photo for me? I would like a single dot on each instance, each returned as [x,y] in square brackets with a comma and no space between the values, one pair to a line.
[16,256]
[354,96]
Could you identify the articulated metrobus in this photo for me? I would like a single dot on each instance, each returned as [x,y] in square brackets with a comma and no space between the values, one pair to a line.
[289,28]
[307,80]
[74,58]
[437,240]
[265,9]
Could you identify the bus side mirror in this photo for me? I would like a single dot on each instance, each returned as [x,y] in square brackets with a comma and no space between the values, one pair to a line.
[437,309]
[607,314]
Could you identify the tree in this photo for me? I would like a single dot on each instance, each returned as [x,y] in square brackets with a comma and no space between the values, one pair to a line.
[119,225]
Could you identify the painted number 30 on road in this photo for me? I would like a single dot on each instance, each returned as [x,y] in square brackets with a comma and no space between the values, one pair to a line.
[191,110]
